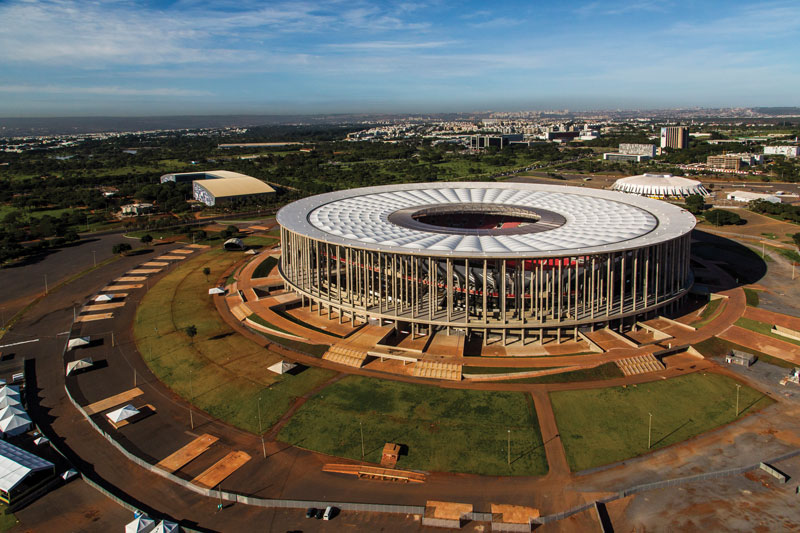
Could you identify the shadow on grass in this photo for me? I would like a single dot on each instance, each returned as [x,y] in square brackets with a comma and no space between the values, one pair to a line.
[662,439]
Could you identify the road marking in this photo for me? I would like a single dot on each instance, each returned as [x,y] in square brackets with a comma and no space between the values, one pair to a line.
[18,343]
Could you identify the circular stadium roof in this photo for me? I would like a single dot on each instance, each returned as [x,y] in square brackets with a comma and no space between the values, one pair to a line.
[570,220]
[659,185]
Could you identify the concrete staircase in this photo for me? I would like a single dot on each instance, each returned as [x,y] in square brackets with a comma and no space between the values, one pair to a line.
[436,370]
[640,364]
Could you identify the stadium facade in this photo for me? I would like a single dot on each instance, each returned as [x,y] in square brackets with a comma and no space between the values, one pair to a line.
[518,262]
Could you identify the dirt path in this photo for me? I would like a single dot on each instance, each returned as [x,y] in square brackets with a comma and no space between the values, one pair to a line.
[558,467]
[272,434]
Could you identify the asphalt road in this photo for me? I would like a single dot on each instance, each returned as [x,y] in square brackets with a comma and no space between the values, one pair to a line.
[24,281]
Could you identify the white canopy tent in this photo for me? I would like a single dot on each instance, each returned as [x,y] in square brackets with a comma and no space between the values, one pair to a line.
[16,464]
[11,410]
[79,341]
[217,290]
[140,524]
[165,526]
[103,298]
[123,413]
[9,390]
[251,252]
[80,364]
[40,440]
[9,401]
[15,424]
[281,367]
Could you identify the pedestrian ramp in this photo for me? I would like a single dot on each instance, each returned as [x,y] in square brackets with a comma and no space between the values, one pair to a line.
[437,370]
[640,364]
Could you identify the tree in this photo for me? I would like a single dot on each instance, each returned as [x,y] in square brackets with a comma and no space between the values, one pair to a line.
[796,239]
[200,235]
[233,230]
[207,270]
[191,331]
[121,248]
[695,204]
[719,217]
[146,239]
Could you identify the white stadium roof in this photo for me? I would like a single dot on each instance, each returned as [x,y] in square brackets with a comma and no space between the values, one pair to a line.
[661,185]
[595,221]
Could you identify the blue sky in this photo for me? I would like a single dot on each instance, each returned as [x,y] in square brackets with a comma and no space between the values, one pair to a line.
[64,57]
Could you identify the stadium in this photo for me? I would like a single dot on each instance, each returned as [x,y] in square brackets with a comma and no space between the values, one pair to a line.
[509,262]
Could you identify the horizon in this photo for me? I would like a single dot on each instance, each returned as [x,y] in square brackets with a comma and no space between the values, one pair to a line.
[182,58]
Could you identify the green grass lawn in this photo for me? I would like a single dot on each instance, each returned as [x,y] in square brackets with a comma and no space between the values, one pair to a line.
[763,328]
[266,266]
[7,521]
[445,429]
[712,310]
[714,346]
[598,373]
[601,426]
[221,372]
[751,297]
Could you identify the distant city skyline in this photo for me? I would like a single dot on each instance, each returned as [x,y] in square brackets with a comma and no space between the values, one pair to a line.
[77,58]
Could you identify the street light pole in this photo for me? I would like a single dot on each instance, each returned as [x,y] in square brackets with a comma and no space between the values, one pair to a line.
[191,399]
[361,428]
[260,431]
[649,430]
[45,283]
[737,398]
[94,258]
[509,447]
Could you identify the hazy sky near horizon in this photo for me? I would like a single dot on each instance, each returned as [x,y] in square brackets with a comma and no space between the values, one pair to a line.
[75,57]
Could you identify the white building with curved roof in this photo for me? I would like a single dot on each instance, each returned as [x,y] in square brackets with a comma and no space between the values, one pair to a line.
[517,260]
[662,186]
[213,187]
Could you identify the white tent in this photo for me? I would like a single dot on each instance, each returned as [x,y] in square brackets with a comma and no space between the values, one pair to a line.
[15,424]
[40,440]
[251,252]
[69,474]
[234,244]
[11,410]
[103,298]
[16,464]
[122,413]
[165,526]
[10,400]
[281,367]
[79,341]
[80,364]
[9,390]
[216,290]
[140,524]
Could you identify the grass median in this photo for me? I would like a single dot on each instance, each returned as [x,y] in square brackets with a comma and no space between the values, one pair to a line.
[218,370]
[444,429]
[602,426]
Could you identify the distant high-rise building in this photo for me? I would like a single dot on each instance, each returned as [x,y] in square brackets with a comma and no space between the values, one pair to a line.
[675,137]
[788,151]
[729,162]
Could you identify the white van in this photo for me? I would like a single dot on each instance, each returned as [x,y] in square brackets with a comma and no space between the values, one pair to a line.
[330,512]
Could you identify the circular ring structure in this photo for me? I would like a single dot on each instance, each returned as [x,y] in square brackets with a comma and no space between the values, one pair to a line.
[509,259]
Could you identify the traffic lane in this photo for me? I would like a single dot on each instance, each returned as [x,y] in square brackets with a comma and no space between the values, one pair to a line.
[27,279]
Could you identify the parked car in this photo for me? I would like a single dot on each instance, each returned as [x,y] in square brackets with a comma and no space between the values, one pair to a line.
[330,512]
[320,514]
[311,512]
